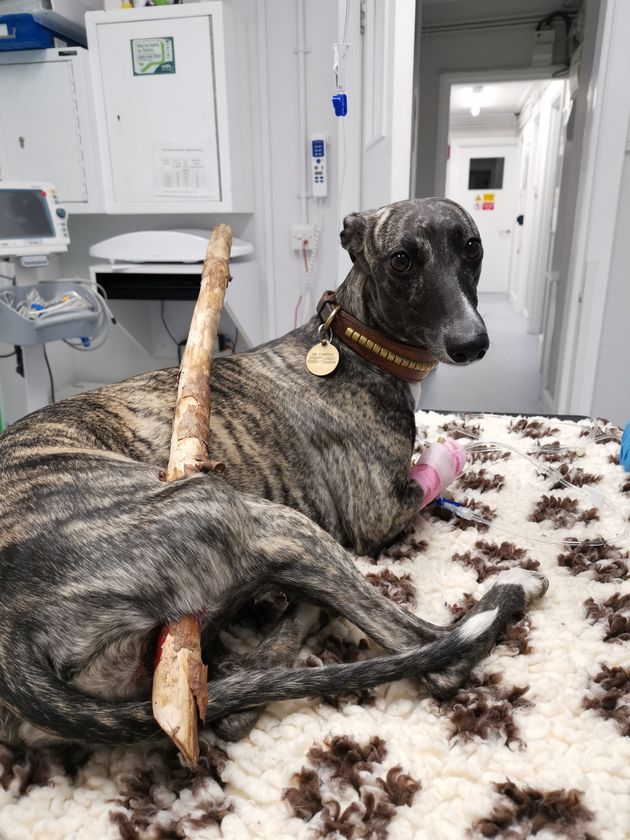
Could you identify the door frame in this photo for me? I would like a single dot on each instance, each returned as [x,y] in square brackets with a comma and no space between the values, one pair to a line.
[536,289]
[447,80]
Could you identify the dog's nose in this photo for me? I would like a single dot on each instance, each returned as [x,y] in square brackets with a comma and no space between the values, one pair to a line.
[463,352]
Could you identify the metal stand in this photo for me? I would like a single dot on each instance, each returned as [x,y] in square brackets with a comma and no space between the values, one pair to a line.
[36,379]
[29,271]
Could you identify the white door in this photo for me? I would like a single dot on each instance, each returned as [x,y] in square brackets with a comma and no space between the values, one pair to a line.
[482,177]
[39,126]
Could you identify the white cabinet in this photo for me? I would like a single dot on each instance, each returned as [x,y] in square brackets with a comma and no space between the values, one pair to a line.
[171,96]
[47,124]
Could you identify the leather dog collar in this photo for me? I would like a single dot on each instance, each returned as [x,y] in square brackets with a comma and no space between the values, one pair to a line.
[411,364]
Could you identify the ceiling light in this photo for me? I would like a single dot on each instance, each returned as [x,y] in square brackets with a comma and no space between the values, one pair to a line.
[475,101]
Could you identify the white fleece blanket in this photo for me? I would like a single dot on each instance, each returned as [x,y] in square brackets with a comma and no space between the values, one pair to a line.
[537,744]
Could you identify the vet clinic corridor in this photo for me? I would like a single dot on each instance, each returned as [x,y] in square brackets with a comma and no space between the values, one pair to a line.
[508,377]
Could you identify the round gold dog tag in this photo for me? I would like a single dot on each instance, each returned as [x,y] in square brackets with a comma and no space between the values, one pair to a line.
[322,359]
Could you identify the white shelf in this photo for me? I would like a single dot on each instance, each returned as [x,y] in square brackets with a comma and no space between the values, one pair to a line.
[243,301]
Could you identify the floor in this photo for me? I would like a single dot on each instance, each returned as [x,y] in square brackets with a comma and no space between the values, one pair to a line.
[507,379]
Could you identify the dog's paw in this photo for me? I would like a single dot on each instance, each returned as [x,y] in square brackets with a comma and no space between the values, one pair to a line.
[534,584]
[238,725]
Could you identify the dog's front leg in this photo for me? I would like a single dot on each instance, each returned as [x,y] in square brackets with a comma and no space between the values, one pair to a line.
[279,648]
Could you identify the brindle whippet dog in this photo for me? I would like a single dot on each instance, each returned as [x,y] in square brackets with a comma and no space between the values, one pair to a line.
[97,553]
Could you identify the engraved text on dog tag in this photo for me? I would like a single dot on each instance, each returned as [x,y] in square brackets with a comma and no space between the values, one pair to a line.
[322,359]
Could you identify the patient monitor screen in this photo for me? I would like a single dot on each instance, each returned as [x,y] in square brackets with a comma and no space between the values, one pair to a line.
[24,215]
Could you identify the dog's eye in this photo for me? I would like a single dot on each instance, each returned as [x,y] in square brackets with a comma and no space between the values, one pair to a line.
[400,261]
[473,250]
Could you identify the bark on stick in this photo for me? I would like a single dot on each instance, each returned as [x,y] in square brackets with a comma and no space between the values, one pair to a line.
[180,690]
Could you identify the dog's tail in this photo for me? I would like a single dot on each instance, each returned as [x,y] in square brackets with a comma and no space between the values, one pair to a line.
[38,696]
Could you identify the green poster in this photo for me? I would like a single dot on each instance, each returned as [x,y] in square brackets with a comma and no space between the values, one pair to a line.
[152,56]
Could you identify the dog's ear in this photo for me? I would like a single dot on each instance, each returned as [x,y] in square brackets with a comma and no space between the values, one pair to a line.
[353,234]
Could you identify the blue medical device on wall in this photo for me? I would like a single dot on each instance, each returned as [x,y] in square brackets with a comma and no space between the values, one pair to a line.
[340,98]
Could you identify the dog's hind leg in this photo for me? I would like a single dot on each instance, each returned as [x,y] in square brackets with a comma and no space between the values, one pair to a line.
[199,547]
[301,558]
[45,701]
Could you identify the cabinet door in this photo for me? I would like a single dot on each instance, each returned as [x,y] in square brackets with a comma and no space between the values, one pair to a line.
[39,127]
[158,90]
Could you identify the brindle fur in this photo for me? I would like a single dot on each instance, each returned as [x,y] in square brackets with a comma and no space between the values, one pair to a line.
[96,552]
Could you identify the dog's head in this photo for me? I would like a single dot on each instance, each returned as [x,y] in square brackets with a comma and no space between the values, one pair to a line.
[421,260]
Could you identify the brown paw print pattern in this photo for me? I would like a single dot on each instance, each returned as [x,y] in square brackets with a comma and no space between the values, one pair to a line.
[605,563]
[481,480]
[485,709]
[555,452]
[522,813]
[461,429]
[490,558]
[534,429]
[609,695]
[346,790]
[613,614]
[398,588]
[576,476]
[481,508]
[404,549]
[147,798]
[562,512]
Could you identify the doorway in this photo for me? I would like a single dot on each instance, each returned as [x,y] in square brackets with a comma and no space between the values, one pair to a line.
[482,177]
[505,146]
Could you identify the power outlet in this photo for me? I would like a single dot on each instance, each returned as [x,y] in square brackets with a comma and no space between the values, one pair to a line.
[301,234]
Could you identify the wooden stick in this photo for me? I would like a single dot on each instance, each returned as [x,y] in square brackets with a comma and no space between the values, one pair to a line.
[180,679]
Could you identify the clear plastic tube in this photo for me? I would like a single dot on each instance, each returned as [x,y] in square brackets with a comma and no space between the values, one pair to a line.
[544,469]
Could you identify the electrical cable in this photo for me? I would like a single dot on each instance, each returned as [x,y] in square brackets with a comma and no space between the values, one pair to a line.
[8,355]
[50,375]
[106,316]
[304,301]
[342,176]
[166,327]
[94,294]
[296,311]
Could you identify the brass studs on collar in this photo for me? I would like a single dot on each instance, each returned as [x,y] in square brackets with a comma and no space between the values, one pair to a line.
[376,348]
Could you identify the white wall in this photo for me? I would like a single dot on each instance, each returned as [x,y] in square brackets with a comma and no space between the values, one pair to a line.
[572,170]
[280,34]
[611,398]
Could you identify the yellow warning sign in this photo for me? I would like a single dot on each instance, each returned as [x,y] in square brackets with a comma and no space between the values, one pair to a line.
[488,196]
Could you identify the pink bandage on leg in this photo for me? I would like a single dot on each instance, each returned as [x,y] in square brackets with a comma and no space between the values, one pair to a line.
[438,466]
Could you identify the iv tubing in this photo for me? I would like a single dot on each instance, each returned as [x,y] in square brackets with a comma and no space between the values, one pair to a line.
[545,469]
